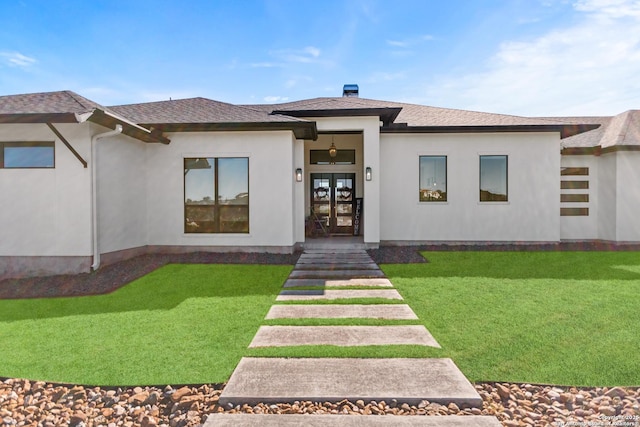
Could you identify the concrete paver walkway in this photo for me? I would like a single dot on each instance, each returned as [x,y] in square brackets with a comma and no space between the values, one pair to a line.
[369,282]
[328,294]
[342,311]
[279,380]
[343,336]
[271,380]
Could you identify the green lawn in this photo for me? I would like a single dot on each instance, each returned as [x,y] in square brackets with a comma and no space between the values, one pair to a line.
[179,324]
[568,318]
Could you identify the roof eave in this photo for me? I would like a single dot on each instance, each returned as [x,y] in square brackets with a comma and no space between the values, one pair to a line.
[564,130]
[133,130]
[18,118]
[96,116]
[387,115]
[301,130]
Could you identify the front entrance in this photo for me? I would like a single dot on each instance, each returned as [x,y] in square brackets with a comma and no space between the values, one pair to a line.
[332,197]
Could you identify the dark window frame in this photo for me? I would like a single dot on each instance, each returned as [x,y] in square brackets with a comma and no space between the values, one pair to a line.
[24,144]
[497,197]
[425,198]
[343,157]
[216,206]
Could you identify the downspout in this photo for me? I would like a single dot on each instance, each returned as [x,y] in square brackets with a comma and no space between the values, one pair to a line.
[94,192]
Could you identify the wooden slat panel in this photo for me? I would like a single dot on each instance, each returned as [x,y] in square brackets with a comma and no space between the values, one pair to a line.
[574,185]
[568,198]
[574,211]
[574,171]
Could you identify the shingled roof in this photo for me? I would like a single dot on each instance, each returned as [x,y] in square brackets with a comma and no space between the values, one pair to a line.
[68,107]
[622,130]
[146,121]
[421,118]
[204,114]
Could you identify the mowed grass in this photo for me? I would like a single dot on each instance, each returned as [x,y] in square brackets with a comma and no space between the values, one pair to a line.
[569,318]
[180,324]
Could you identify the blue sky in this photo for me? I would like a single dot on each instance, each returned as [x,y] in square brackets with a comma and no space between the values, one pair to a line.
[523,57]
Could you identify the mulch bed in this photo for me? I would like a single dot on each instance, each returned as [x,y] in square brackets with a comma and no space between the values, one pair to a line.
[111,277]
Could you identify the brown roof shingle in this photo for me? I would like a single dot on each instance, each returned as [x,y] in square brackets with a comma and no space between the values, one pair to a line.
[197,110]
[64,101]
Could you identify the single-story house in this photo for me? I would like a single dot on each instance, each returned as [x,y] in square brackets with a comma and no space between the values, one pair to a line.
[83,185]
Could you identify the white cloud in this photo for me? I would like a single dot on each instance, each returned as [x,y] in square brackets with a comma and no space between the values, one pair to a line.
[397,43]
[409,42]
[265,65]
[16,59]
[274,99]
[308,54]
[590,67]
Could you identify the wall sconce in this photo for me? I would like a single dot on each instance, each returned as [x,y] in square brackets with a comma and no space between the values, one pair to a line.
[299,175]
[367,173]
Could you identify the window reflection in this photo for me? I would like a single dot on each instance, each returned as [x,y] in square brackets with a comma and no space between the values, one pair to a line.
[27,155]
[493,179]
[433,178]
[216,195]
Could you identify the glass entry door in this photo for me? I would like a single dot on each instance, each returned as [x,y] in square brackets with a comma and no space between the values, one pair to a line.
[332,197]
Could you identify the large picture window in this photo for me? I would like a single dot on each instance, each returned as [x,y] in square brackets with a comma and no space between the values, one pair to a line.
[15,155]
[493,179]
[433,178]
[216,195]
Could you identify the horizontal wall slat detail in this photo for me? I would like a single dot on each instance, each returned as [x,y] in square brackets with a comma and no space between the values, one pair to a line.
[574,171]
[574,198]
[574,185]
[574,211]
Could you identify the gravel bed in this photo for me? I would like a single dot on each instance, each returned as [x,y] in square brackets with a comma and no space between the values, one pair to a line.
[29,403]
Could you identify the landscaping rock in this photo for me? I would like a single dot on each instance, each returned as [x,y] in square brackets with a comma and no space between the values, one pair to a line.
[36,404]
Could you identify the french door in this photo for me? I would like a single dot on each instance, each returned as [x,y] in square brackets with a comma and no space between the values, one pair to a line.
[332,198]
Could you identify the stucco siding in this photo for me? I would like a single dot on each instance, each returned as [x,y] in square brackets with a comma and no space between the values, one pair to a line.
[607,195]
[121,190]
[628,196]
[46,212]
[271,157]
[530,214]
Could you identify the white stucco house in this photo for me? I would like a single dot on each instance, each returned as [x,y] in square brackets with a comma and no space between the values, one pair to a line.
[82,185]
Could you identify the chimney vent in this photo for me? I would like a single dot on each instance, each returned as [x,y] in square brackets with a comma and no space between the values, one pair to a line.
[350,91]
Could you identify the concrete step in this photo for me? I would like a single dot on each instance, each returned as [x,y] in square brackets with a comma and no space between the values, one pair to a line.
[342,336]
[331,294]
[342,311]
[274,380]
[305,259]
[335,274]
[296,420]
[331,246]
[338,266]
[377,282]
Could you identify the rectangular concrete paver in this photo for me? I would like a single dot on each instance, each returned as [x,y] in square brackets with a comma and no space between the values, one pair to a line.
[273,380]
[342,336]
[297,420]
[342,311]
[377,282]
[336,274]
[331,294]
